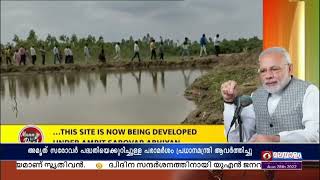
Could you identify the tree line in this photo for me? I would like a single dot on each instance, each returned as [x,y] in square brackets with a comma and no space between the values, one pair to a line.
[171,47]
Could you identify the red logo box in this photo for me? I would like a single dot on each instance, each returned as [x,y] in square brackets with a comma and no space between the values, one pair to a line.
[266,155]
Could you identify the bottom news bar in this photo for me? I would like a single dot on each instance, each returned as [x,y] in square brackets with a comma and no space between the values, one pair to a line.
[155,165]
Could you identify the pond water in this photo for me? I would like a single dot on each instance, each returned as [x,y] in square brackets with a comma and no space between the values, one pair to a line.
[100,97]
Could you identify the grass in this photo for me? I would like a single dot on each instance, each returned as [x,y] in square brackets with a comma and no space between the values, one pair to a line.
[205,91]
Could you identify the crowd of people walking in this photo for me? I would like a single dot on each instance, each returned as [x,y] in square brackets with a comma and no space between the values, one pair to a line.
[22,55]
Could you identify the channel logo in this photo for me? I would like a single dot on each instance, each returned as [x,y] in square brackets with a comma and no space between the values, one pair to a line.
[30,134]
[287,155]
[270,155]
[266,155]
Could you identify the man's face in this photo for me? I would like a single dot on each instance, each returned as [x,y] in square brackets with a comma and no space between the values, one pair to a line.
[275,72]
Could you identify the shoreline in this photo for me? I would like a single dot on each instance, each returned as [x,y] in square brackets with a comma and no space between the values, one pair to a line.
[202,62]
[205,90]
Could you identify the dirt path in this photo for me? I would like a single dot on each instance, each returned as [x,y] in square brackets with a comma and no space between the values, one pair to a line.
[114,65]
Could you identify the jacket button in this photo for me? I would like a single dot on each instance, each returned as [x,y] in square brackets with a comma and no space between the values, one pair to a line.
[271,125]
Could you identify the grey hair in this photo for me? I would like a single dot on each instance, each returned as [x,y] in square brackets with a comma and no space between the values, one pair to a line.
[278,50]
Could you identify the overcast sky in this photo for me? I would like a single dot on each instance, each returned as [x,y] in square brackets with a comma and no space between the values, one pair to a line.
[113,20]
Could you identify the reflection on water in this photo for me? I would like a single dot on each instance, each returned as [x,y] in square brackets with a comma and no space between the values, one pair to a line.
[134,97]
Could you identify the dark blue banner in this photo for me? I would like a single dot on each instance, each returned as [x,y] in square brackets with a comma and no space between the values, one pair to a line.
[156,151]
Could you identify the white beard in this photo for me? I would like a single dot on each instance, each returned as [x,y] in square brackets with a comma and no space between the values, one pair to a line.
[278,87]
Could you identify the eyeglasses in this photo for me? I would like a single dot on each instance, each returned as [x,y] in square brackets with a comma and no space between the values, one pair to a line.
[273,69]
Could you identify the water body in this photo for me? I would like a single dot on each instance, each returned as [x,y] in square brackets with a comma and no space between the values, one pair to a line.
[127,97]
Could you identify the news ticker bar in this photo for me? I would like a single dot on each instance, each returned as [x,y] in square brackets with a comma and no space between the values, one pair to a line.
[157,165]
[112,133]
[250,152]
